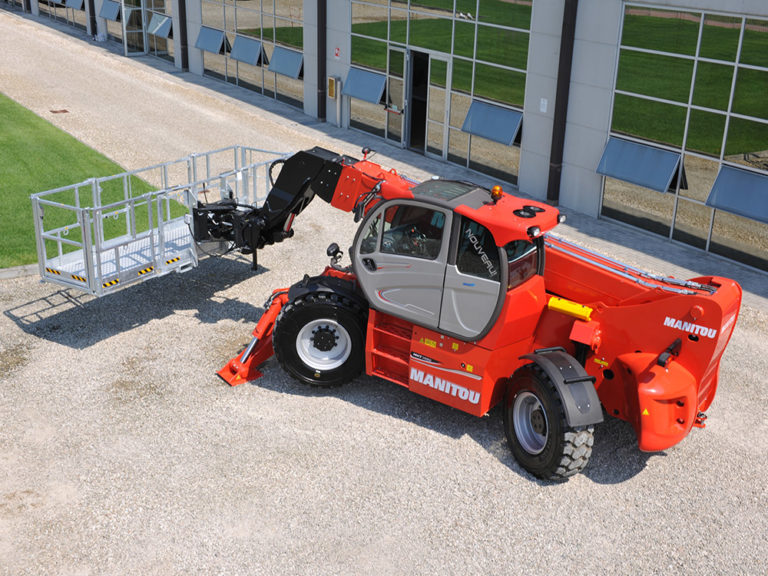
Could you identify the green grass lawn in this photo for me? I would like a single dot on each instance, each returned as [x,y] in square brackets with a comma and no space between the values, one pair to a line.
[37,156]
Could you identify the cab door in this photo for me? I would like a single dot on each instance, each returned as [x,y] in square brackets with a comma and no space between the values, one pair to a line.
[474,282]
[399,258]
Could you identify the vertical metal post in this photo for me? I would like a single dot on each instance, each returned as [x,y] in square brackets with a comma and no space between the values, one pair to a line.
[561,100]
[322,31]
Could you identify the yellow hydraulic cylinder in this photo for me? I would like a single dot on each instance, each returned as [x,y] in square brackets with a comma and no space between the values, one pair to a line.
[570,308]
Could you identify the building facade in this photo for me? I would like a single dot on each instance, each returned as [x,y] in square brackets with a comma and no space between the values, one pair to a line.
[649,113]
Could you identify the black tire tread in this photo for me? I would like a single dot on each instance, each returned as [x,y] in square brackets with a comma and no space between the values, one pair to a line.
[297,305]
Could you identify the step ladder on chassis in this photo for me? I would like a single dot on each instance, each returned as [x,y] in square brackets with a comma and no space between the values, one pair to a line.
[105,233]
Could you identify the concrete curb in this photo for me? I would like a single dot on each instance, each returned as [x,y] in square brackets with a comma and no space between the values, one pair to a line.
[18,271]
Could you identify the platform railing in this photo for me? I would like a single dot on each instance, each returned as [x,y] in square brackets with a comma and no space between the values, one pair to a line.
[103,233]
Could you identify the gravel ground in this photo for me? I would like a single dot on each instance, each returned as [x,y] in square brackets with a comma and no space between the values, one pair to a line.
[121,452]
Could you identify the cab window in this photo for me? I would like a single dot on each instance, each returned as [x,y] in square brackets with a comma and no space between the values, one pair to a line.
[522,261]
[413,231]
[477,254]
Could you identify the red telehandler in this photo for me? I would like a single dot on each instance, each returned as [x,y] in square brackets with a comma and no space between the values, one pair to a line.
[461,294]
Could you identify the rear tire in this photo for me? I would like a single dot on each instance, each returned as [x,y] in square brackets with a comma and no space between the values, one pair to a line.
[319,339]
[536,429]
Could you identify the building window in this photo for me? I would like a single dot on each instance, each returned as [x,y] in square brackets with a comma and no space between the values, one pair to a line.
[257,31]
[458,53]
[689,91]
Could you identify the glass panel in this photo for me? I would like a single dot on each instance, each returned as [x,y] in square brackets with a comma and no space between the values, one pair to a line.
[749,98]
[713,85]
[289,90]
[741,192]
[210,40]
[286,62]
[494,159]
[647,119]
[754,46]
[692,223]
[492,122]
[229,18]
[364,85]
[459,109]
[700,174]
[655,75]
[477,254]
[439,5]
[395,111]
[500,85]
[705,132]
[747,143]
[646,166]
[720,37]
[464,39]
[109,10]
[371,238]
[436,111]
[289,33]
[250,77]
[369,20]
[268,28]
[435,138]
[396,63]
[662,30]
[638,206]
[367,117]
[248,22]
[438,72]
[247,50]
[398,26]
[466,7]
[500,46]
[287,9]
[213,15]
[413,231]
[458,147]
[215,65]
[462,77]
[431,33]
[515,13]
[741,239]
[369,53]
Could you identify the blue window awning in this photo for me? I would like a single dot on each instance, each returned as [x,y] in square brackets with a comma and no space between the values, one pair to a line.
[110,10]
[160,26]
[493,122]
[287,62]
[740,192]
[639,164]
[248,50]
[364,85]
[75,4]
[212,40]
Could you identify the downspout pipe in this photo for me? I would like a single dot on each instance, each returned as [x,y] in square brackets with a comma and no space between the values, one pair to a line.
[322,80]
[181,37]
[567,37]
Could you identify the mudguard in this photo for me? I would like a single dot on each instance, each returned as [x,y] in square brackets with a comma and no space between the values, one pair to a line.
[575,387]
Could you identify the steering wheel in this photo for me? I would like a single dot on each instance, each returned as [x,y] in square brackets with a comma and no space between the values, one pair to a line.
[414,242]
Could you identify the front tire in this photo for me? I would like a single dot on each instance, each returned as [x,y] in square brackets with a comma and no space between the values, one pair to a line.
[536,429]
[319,339]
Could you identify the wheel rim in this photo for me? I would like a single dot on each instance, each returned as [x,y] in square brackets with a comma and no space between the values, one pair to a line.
[530,420]
[323,344]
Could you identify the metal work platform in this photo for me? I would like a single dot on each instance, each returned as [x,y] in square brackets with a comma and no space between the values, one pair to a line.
[105,233]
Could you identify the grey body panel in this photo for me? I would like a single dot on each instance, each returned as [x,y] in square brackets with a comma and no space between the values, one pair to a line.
[469,303]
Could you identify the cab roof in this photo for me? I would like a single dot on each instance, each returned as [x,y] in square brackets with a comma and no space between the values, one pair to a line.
[509,218]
